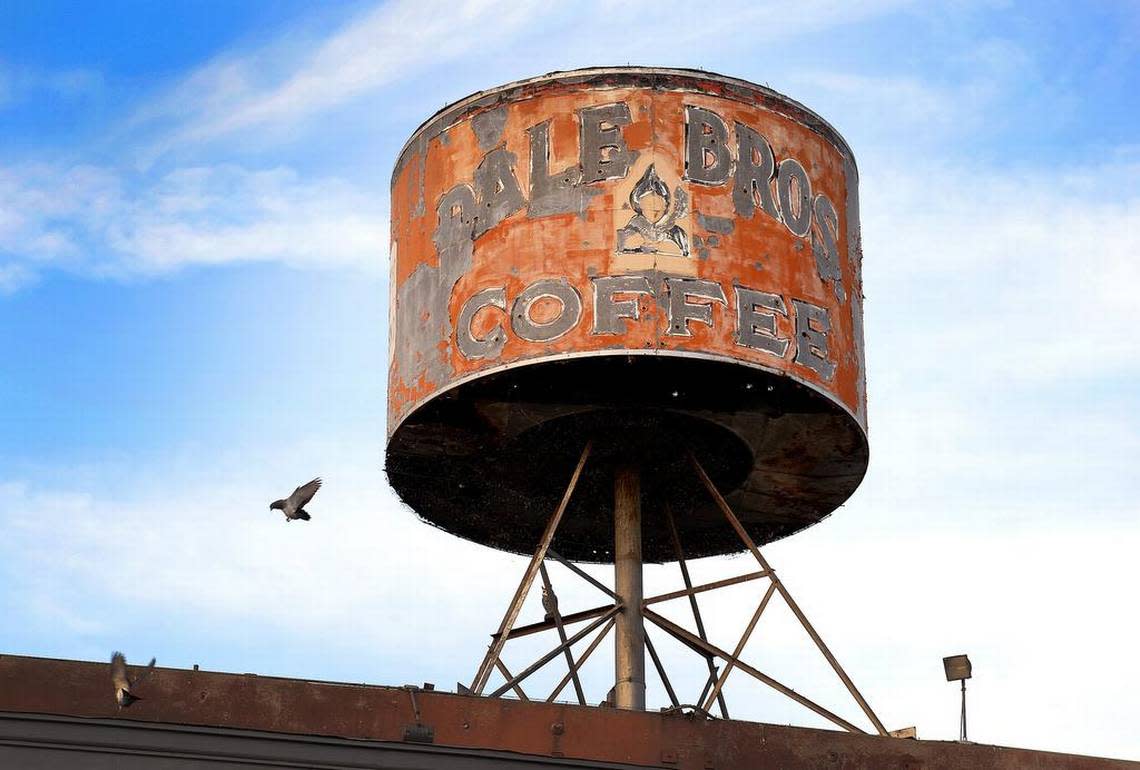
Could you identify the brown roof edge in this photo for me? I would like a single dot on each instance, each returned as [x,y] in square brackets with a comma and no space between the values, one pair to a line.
[270,704]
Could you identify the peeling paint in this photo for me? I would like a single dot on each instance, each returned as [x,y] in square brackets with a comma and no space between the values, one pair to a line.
[722,225]
[703,229]
[488,127]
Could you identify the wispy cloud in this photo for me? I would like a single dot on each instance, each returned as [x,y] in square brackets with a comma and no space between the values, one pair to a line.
[282,84]
[973,96]
[19,84]
[99,222]
[132,219]
[1039,261]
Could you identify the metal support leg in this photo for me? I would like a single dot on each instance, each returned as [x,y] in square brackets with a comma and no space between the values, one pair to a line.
[506,672]
[629,638]
[661,672]
[699,645]
[740,646]
[680,552]
[556,616]
[516,604]
[795,608]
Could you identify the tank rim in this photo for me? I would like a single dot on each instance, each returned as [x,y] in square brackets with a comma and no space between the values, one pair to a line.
[450,113]
[445,524]
[392,428]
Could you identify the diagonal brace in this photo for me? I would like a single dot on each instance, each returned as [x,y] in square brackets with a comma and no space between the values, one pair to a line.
[515,606]
[692,594]
[740,645]
[795,608]
[556,651]
[556,616]
[705,648]
[582,659]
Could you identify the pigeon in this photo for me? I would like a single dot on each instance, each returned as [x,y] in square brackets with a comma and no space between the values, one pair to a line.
[294,506]
[549,603]
[123,684]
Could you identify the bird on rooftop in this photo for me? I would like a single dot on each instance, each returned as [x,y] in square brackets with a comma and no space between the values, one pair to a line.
[294,506]
[123,683]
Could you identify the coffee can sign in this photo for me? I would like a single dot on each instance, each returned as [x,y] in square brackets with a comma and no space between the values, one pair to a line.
[627,212]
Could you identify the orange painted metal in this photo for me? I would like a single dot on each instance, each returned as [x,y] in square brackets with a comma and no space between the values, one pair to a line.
[671,252]
[760,252]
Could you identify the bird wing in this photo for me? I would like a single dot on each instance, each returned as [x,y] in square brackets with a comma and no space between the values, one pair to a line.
[149,670]
[303,494]
[119,672]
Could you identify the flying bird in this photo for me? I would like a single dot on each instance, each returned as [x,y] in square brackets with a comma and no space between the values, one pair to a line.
[123,683]
[294,506]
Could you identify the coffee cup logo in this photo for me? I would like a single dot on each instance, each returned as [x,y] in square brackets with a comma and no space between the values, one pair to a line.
[653,228]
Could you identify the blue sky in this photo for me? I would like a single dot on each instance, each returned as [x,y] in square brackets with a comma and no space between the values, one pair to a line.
[193,305]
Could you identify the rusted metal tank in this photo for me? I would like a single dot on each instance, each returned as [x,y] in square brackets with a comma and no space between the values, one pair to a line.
[660,260]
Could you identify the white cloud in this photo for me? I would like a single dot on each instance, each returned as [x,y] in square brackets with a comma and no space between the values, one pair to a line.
[270,89]
[13,277]
[94,221]
[106,221]
[226,214]
[1021,274]
[200,549]
[762,21]
[282,83]
[910,101]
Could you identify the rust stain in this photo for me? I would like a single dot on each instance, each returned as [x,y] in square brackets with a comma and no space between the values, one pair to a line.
[599,214]
[760,253]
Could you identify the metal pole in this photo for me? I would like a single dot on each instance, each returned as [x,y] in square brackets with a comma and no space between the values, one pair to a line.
[963,730]
[629,638]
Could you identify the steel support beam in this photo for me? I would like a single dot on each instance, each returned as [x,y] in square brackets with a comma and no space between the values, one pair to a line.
[740,646]
[557,618]
[516,604]
[555,652]
[573,672]
[795,608]
[629,636]
[705,648]
[692,594]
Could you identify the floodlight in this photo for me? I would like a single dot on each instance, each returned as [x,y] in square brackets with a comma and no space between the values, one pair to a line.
[958,669]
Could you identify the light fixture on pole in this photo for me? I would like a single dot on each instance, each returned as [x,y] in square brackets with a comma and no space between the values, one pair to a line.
[958,668]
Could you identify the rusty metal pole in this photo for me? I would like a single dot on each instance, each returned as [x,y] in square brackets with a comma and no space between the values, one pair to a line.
[962,732]
[629,652]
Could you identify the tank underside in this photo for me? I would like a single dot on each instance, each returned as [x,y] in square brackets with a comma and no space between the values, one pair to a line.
[489,459]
